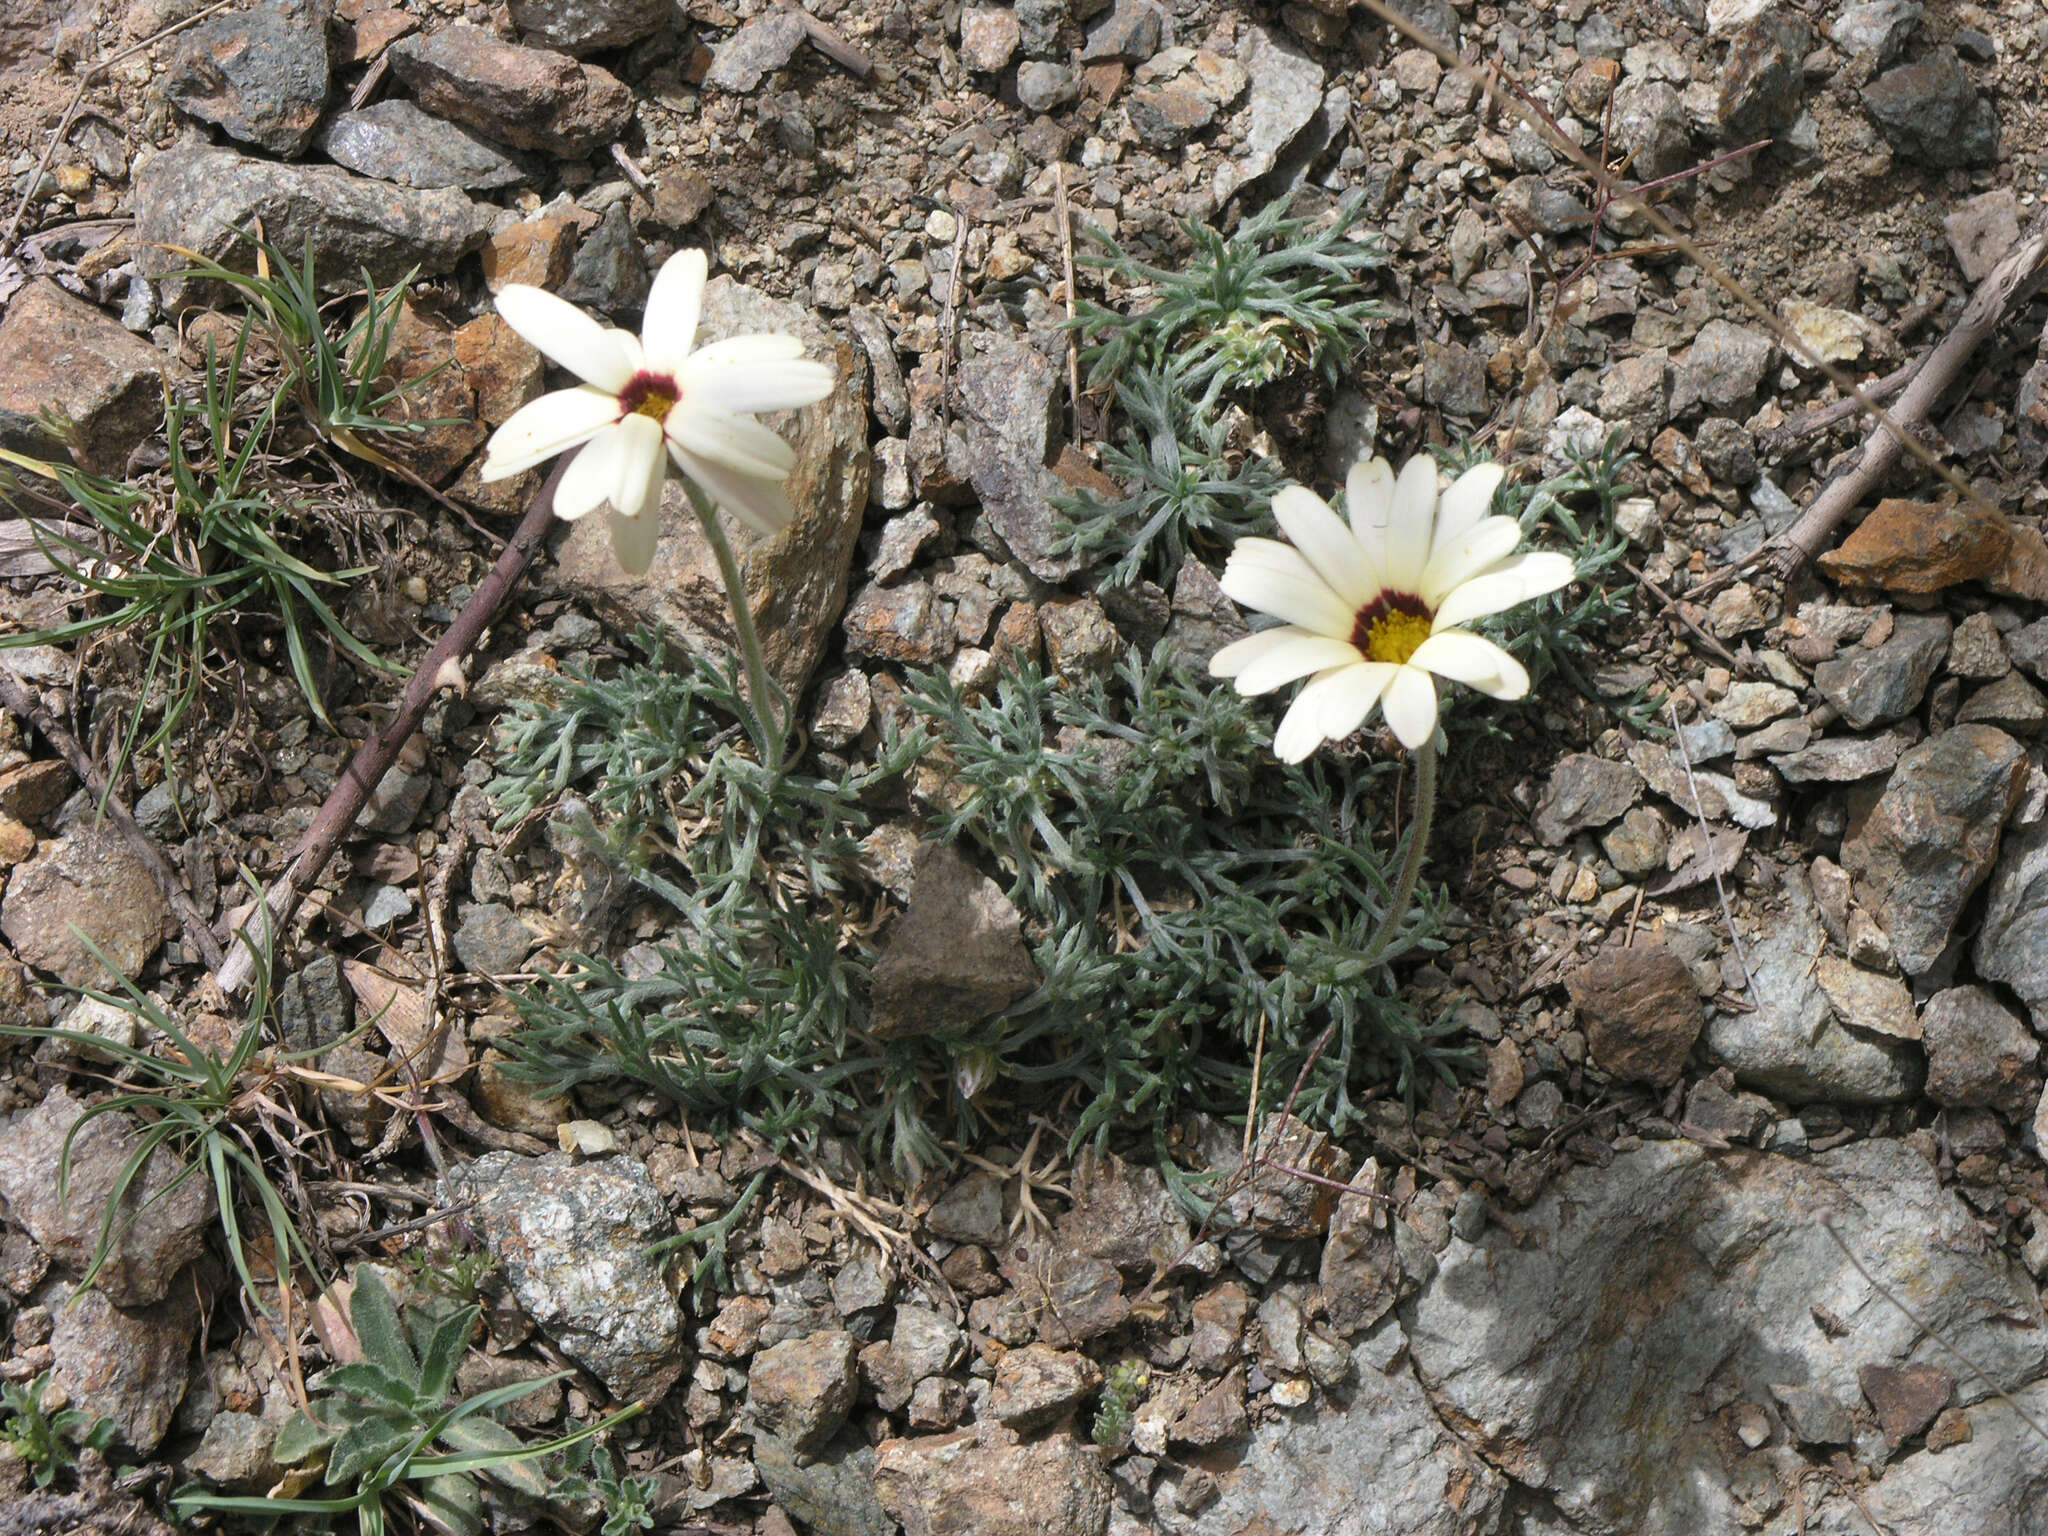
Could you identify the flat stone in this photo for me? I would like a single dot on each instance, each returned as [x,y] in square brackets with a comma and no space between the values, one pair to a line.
[1978,1052]
[989,37]
[1815,1417]
[588,26]
[955,1485]
[1878,684]
[1361,1275]
[921,1344]
[1008,397]
[756,51]
[1284,1205]
[202,199]
[1976,649]
[1286,95]
[832,1491]
[259,74]
[1879,28]
[1130,31]
[955,957]
[1918,547]
[236,1452]
[1697,792]
[1905,1398]
[1791,1045]
[88,886]
[61,355]
[157,1231]
[971,1211]
[1215,1418]
[1719,1255]
[802,1389]
[491,940]
[1844,759]
[2012,704]
[1982,229]
[609,272]
[1932,837]
[1762,80]
[1640,1012]
[530,98]
[1037,1387]
[128,1364]
[1929,111]
[1123,1214]
[573,1238]
[1749,705]
[395,141]
[1866,999]
[1724,367]
[796,580]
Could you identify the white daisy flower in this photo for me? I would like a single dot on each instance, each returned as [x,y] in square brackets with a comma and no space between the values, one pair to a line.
[641,395]
[1372,611]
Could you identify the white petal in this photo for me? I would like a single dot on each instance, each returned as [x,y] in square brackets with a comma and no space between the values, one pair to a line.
[762,505]
[778,384]
[1500,587]
[1307,602]
[1464,505]
[1255,553]
[593,473]
[1346,696]
[1486,543]
[758,347]
[1326,544]
[738,441]
[1410,706]
[641,468]
[1239,654]
[1369,502]
[1410,525]
[669,326]
[567,335]
[1285,663]
[1301,728]
[1473,661]
[634,540]
[542,428]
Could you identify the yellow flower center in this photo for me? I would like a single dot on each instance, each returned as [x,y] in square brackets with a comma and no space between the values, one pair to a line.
[650,395]
[1395,636]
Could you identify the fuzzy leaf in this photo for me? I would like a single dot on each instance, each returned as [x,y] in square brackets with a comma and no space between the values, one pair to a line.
[479,1436]
[364,1445]
[373,1384]
[443,1352]
[453,1503]
[377,1325]
[300,1439]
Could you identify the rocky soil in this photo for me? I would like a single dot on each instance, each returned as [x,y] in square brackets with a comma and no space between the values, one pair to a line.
[1753,1000]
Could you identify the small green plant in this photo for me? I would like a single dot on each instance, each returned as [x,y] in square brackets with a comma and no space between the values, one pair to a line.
[379,1422]
[196,1107]
[627,1502]
[1121,1394]
[49,1439]
[450,1270]
[1281,289]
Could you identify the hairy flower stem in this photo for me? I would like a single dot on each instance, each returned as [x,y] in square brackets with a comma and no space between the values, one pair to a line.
[766,725]
[1411,865]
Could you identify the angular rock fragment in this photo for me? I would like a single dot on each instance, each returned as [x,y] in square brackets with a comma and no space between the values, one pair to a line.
[956,1485]
[956,956]
[261,74]
[588,26]
[1978,1053]
[1584,791]
[530,98]
[60,355]
[88,889]
[1879,684]
[1640,1012]
[801,1389]
[1918,547]
[395,141]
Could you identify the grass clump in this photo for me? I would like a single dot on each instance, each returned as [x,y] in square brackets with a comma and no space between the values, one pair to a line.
[387,1427]
[48,1438]
[203,1110]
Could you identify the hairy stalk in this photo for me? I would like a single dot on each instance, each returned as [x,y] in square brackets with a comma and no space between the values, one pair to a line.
[769,726]
[1411,864]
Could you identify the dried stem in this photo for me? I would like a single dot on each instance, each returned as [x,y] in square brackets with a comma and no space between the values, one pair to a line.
[440,668]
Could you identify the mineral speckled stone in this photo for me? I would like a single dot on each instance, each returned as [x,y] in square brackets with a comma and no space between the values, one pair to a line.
[1640,1011]
[60,355]
[956,1485]
[261,74]
[530,98]
[573,1237]
[89,886]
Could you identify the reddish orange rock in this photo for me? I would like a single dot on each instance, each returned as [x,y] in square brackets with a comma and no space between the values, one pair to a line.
[1919,547]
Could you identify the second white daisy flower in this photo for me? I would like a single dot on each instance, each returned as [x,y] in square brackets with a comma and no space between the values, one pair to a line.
[1373,611]
[650,399]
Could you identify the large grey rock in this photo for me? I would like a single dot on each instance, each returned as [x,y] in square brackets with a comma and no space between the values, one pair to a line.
[1978,1053]
[1286,95]
[261,74]
[89,886]
[1886,682]
[796,580]
[758,49]
[1677,1281]
[157,1230]
[1876,27]
[956,956]
[205,199]
[1933,835]
[1791,1044]
[1007,399]
[1929,111]
[573,1237]
[832,1492]
[588,26]
[1762,80]
[1724,367]
[2012,942]
[59,355]
[801,1389]
[530,98]
[128,1364]
[1377,1462]
[395,141]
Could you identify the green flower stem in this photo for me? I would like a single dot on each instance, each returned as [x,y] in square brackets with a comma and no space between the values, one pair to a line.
[768,729]
[1411,865]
